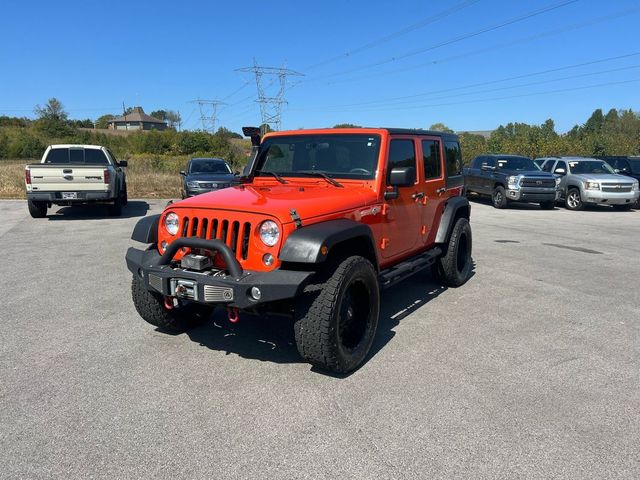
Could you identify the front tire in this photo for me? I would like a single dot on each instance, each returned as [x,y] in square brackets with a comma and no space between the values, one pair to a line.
[37,209]
[336,317]
[151,308]
[454,268]
[574,200]
[499,197]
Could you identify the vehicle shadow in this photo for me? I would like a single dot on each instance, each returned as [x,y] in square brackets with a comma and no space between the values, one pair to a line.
[511,206]
[135,208]
[270,338]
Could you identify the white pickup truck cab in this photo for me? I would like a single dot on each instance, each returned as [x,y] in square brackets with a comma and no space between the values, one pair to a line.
[76,175]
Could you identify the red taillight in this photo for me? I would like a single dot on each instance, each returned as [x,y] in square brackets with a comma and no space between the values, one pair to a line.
[27,176]
[107,176]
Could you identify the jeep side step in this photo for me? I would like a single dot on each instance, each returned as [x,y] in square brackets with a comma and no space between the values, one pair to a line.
[408,267]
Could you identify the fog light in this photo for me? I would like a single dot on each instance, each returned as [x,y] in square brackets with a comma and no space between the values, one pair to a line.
[163,245]
[267,259]
[256,294]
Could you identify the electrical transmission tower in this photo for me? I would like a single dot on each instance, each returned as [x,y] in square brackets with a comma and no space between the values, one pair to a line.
[270,102]
[208,113]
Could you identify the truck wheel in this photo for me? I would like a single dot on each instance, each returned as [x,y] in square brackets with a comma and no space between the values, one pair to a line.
[115,209]
[37,209]
[336,317]
[499,197]
[125,197]
[454,268]
[548,205]
[573,200]
[151,308]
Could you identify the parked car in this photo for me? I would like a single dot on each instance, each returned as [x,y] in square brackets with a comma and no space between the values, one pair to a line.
[589,181]
[510,178]
[629,166]
[206,175]
[76,175]
[322,220]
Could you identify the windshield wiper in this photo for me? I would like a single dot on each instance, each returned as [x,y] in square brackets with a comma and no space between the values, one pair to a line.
[313,173]
[277,177]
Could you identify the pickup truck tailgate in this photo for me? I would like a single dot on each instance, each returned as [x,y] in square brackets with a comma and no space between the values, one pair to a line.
[67,178]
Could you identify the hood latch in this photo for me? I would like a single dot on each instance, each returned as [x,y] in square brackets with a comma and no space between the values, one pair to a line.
[295,217]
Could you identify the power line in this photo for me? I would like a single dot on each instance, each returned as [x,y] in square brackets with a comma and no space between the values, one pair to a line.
[208,113]
[270,105]
[410,28]
[457,39]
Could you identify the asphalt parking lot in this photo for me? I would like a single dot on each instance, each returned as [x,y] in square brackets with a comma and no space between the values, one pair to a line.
[530,370]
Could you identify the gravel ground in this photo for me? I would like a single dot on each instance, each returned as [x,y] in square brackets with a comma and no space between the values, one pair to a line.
[530,370]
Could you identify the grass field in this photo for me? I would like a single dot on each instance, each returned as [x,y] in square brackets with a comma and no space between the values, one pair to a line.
[147,177]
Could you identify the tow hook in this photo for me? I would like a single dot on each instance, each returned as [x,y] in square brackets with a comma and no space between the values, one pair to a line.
[234,314]
[168,302]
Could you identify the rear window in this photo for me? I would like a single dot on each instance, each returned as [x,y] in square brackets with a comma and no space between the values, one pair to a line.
[89,156]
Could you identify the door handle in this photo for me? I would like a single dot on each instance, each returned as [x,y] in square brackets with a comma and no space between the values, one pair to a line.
[417,195]
[441,190]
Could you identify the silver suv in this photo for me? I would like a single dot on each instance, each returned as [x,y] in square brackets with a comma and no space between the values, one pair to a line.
[588,181]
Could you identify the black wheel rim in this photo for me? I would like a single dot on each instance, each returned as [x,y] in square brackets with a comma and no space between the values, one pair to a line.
[462,257]
[354,315]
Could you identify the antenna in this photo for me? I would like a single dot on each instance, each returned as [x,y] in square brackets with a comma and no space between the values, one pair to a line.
[270,105]
[208,113]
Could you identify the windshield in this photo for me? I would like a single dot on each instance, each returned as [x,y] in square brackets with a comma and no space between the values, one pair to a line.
[337,155]
[635,165]
[517,163]
[590,166]
[205,165]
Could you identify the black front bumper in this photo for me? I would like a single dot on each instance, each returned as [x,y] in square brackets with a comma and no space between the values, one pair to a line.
[211,287]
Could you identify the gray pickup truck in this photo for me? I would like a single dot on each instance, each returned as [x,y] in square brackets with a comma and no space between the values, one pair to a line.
[510,178]
[589,181]
[76,175]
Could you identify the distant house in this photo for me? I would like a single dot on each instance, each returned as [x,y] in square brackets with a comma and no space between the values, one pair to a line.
[136,120]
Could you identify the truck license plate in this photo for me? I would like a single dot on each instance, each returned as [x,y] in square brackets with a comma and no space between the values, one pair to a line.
[69,195]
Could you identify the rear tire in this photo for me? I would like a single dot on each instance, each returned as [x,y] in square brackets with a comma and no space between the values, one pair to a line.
[548,205]
[336,317]
[37,209]
[115,210]
[499,197]
[125,197]
[151,308]
[454,268]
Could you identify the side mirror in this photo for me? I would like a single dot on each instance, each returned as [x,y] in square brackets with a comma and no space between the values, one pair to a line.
[123,163]
[402,176]
[236,173]
[183,173]
[560,171]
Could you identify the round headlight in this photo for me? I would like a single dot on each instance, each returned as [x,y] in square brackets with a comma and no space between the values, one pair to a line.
[171,222]
[269,233]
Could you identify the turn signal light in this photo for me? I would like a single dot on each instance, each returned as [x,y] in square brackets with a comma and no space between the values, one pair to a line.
[27,177]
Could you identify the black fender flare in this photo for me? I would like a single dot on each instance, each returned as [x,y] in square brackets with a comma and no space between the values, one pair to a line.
[454,207]
[307,244]
[146,230]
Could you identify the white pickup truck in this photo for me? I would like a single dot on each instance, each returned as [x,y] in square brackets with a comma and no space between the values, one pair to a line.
[76,175]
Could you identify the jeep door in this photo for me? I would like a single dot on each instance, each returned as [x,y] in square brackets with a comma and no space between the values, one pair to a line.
[433,186]
[402,224]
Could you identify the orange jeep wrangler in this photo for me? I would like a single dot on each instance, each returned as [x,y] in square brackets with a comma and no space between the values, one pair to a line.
[321,221]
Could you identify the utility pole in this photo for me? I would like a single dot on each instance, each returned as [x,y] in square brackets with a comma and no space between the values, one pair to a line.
[208,113]
[270,104]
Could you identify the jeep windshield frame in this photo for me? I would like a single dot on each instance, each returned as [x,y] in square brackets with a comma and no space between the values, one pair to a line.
[347,156]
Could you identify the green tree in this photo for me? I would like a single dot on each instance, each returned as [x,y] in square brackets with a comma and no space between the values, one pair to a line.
[440,127]
[53,119]
[103,121]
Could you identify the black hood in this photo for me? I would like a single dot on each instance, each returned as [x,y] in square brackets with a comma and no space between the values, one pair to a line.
[209,177]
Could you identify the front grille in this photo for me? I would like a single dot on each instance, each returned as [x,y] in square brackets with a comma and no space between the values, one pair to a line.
[538,182]
[234,233]
[616,187]
[213,185]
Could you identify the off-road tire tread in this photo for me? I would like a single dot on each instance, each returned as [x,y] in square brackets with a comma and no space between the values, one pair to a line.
[446,269]
[37,209]
[150,306]
[312,327]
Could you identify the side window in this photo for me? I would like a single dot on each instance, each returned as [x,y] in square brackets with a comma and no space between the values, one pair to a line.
[431,159]
[489,161]
[548,165]
[453,159]
[402,153]
[477,162]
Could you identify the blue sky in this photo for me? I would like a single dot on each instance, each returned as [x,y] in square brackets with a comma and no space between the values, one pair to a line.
[402,63]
